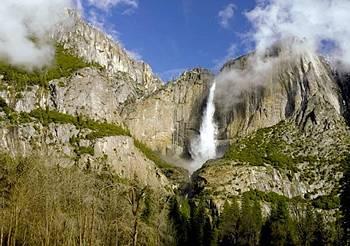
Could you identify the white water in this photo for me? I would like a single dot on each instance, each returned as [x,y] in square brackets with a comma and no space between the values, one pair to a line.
[203,147]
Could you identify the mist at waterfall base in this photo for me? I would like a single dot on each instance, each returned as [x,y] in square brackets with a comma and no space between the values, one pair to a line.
[203,147]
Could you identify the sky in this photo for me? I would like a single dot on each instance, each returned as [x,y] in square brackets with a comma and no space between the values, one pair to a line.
[175,35]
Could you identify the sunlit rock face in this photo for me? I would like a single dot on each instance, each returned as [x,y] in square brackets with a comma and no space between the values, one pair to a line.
[302,88]
[168,119]
[95,46]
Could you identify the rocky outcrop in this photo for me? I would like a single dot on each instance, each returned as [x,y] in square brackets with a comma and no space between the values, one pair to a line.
[96,47]
[301,88]
[90,93]
[67,145]
[87,92]
[166,120]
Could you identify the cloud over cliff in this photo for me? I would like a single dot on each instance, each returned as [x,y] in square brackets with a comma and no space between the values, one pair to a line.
[26,27]
[323,25]
[283,30]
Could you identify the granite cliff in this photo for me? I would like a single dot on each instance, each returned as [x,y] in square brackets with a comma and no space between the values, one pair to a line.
[288,136]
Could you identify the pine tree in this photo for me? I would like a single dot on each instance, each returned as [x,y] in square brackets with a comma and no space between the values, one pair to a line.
[345,202]
[181,222]
[228,226]
[250,222]
[321,234]
[306,226]
[279,228]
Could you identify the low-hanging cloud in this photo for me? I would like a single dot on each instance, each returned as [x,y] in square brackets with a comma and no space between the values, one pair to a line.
[323,25]
[295,26]
[25,30]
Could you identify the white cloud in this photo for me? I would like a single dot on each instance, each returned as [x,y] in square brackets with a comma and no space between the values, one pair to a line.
[134,54]
[22,20]
[226,15]
[298,28]
[108,4]
[312,21]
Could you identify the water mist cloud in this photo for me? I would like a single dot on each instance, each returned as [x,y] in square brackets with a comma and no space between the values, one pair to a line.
[26,27]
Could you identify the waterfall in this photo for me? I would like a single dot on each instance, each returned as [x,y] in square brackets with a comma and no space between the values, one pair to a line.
[203,147]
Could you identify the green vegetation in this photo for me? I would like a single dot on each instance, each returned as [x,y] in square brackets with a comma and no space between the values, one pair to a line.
[46,117]
[290,222]
[240,225]
[150,154]
[64,65]
[270,197]
[180,214]
[328,202]
[345,201]
[51,205]
[103,129]
[99,129]
[85,150]
[4,107]
[265,146]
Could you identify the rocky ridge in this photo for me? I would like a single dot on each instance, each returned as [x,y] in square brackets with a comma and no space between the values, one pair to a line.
[95,46]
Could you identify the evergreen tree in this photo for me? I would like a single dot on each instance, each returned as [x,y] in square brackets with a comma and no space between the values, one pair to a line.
[228,226]
[201,229]
[321,235]
[345,202]
[181,220]
[250,222]
[306,226]
[279,228]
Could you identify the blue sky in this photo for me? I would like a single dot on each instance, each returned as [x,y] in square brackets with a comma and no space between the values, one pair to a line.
[175,35]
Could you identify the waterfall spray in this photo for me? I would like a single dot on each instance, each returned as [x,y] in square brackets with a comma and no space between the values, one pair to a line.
[203,147]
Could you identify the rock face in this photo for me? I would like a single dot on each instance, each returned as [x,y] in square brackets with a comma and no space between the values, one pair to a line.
[303,89]
[63,142]
[288,136]
[88,92]
[167,119]
[96,47]
[129,162]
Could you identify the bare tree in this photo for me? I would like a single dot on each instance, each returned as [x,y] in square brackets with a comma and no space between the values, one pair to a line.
[135,198]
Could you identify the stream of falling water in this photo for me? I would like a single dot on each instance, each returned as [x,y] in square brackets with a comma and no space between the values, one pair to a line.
[203,147]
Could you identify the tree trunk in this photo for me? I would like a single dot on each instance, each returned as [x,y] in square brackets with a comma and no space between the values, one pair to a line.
[2,236]
[9,233]
[116,234]
[135,232]
[92,225]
